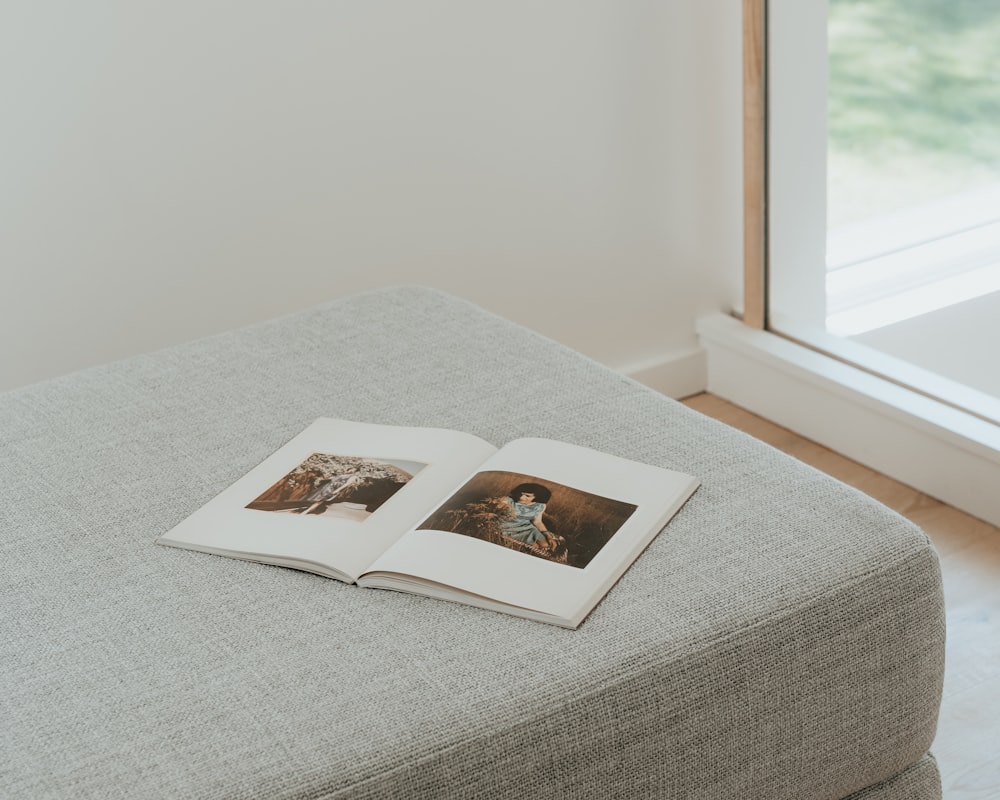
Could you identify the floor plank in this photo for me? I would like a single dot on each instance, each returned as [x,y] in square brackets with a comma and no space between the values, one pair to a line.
[967,745]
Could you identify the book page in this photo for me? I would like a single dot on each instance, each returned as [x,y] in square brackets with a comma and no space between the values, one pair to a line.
[599,512]
[333,498]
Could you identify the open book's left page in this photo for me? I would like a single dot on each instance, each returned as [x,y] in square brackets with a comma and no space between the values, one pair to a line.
[334,498]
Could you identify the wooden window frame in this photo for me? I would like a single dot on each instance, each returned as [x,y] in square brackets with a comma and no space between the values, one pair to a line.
[755,163]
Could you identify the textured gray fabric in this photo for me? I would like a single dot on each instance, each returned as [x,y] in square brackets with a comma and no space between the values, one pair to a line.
[782,639]
[922,781]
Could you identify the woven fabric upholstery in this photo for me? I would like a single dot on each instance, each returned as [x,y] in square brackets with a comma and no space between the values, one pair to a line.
[922,781]
[783,638]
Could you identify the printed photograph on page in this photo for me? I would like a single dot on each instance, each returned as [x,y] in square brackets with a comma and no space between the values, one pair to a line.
[530,515]
[337,486]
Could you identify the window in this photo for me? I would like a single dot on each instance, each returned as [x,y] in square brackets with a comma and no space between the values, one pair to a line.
[884,188]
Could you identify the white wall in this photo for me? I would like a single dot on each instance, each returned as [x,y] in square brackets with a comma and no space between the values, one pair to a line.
[173,169]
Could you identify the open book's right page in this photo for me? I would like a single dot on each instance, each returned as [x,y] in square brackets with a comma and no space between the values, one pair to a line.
[543,526]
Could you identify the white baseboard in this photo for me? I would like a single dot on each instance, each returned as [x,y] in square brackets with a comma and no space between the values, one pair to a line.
[677,375]
[933,447]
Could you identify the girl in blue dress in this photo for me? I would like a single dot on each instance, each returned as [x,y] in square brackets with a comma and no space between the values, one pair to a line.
[527,501]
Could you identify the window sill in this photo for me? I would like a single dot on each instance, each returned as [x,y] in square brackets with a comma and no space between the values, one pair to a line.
[934,447]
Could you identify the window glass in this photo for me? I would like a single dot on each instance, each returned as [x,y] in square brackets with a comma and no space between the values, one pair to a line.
[913,158]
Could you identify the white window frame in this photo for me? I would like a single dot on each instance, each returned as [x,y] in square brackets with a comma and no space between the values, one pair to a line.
[796,126]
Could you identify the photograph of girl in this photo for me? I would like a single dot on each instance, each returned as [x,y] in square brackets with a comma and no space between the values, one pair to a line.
[532,516]
[348,487]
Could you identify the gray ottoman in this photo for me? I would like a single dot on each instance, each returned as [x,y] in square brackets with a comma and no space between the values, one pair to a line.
[783,638]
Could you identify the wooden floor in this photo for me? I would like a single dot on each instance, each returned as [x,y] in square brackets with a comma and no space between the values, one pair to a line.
[967,746]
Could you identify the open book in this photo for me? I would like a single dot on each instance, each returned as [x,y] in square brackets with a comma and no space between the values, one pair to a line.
[537,528]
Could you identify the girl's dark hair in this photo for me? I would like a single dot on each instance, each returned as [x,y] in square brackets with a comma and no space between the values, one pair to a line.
[542,495]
